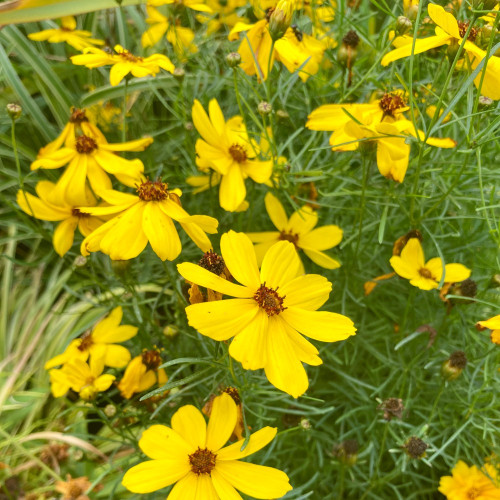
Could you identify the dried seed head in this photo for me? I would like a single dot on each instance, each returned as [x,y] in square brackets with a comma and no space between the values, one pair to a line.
[351,39]
[347,451]
[78,116]
[392,407]
[202,461]
[85,145]
[466,288]
[415,447]
[151,359]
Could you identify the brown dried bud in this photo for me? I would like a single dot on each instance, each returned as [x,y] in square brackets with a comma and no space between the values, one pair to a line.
[351,39]
[392,407]
[415,447]
[454,365]
[347,452]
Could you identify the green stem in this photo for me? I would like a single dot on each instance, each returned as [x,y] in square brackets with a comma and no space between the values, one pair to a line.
[363,204]
[18,165]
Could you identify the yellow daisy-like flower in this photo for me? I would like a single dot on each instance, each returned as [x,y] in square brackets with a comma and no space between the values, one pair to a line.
[299,230]
[123,62]
[271,310]
[382,122]
[425,275]
[69,216]
[191,454]
[145,217]
[227,149]
[450,31]
[142,373]
[190,4]
[78,39]
[90,157]
[494,325]
[468,483]
[101,342]
[86,379]
[225,14]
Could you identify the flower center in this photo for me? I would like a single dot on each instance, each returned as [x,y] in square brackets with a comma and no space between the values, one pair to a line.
[128,56]
[86,342]
[151,359]
[238,153]
[269,300]
[391,102]
[85,144]
[76,213]
[233,392]
[425,273]
[463,26]
[473,493]
[202,461]
[212,262]
[289,236]
[153,191]
[78,116]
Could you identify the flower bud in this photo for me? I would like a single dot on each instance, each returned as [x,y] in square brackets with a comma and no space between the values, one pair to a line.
[80,261]
[264,108]
[305,424]
[452,50]
[170,331]
[14,111]
[415,447]
[347,452]
[280,19]
[110,410]
[454,365]
[233,59]
[392,407]
[466,288]
[179,74]
[485,102]
[403,25]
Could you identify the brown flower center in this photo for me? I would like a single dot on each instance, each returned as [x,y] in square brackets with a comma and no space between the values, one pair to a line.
[238,153]
[202,461]
[78,116]
[76,213]
[151,359]
[269,300]
[473,493]
[233,392]
[391,102]
[86,342]
[153,190]
[463,26]
[425,273]
[212,262]
[129,57]
[85,144]
[289,236]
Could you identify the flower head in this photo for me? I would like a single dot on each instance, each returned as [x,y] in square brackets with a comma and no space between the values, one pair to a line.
[470,483]
[494,325]
[74,489]
[123,62]
[425,275]
[300,231]
[191,454]
[272,308]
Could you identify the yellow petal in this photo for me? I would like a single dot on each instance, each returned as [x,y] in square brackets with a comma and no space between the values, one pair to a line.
[421,45]
[276,212]
[189,423]
[444,20]
[224,489]
[249,346]
[204,125]
[193,487]
[256,442]
[304,350]
[137,145]
[302,221]
[253,480]
[161,442]
[321,238]
[281,264]
[492,323]
[154,475]
[232,189]
[103,383]
[222,319]
[161,232]
[325,326]
[198,236]
[116,356]
[64,235]
[404,268]
[239,256]
[309,292]
[424,283]
[455,273]
[322,259]
[222,422]
[40,209]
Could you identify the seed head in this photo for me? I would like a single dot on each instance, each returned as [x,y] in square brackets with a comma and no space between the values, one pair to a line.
[347,451]
[351,39]
[392,407]
[454,365]
[415,447]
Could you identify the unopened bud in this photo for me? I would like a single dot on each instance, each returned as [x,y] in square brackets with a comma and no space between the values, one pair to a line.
[466,288]
[412,10]
[403,25]
[281,114]
[170,331]
[454,365]
[347,452]
[305,424]
[280,19]
[110,410]
[80,261]
[233,59]
[264,108]
[415,447]
[495,280]
[485,102]
[179,74]
[14,110]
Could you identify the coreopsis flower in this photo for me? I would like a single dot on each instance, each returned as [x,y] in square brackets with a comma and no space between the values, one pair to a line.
[68,216]
[145,217]
[78,39]
[467,482]
[86,379]
[299,230]
[198,5]
[425,275]
[73,489]
[123,62]
[101,342]
[381,122]
[271,310]
[224,14]
[106,115]
[449,31]
[191,454]
[317,10]
[226,148]
[494,325]
[179,37]
[90,157]
[142,373]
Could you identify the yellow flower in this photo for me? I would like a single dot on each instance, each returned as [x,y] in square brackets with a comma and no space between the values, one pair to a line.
[468,483]
[225,14]
[71,218]
[85,379]
[190,4]
[101,343]
[299,230]
[381,121]
[89,157]
[319,11]
[191,454]
[227,149]
[181,38]
[146,217]
[106,115]
[425,275]
[271,308]
[123,63]
[142,373]
[450,31]
[78,39]
[494,325]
